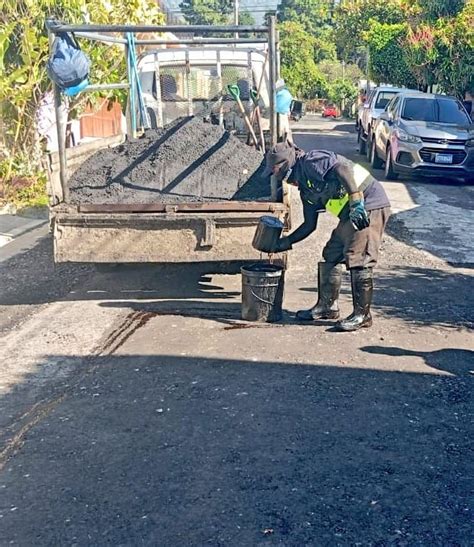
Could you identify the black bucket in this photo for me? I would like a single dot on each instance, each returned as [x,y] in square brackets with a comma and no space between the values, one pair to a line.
[262,292]
[267,234]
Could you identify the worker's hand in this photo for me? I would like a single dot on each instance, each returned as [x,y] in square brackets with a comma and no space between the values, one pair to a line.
[283,244]
[358,214]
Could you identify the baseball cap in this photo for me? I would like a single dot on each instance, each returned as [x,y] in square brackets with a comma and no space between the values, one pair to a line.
[282,154]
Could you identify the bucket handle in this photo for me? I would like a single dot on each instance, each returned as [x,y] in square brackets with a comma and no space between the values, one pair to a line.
[261,299]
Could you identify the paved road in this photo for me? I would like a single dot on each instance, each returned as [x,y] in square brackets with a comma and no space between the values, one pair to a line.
[137,409]
[437,216]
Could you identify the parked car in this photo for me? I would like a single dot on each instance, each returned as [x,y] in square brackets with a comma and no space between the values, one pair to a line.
[375,104]
[426,134]
[330,111]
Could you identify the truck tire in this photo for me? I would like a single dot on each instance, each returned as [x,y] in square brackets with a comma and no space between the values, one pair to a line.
[361,141]
[375,161]
[389,172]
[368,146]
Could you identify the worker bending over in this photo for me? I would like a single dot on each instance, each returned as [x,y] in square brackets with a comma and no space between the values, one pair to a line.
[333,183]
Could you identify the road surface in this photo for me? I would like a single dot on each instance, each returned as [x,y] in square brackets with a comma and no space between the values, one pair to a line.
[138,409]
[436,214]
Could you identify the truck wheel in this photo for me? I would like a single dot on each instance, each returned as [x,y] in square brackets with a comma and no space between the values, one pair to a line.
[361,141]
[375,161]
[368,146]
[389,172]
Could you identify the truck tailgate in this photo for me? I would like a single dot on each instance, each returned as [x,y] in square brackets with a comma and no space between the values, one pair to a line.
[173,235]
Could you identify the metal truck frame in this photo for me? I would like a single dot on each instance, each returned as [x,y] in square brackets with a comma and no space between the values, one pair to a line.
[140,233]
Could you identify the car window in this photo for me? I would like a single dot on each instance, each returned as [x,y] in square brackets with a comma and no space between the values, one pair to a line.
[434,110]
[392,106]
[384,98]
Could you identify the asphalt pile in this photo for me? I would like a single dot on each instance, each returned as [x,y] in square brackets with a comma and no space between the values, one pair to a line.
[187,161]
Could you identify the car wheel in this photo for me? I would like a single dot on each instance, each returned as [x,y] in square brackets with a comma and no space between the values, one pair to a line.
[389,172]
[362,145]
[375,161]
[368,146]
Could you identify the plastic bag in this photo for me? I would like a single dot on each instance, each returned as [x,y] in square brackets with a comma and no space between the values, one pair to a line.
[68,65]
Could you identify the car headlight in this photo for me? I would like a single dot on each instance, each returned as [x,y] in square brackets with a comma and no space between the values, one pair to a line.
[406,137]
[470,143]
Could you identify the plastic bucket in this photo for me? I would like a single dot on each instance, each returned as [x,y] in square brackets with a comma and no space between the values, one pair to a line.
[262,292]
[267,234]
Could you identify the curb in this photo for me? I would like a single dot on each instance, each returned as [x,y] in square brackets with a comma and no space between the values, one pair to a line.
[13,227]
[23,242]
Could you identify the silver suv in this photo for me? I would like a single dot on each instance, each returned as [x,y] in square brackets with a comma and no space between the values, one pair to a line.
[369,112]
[426,134]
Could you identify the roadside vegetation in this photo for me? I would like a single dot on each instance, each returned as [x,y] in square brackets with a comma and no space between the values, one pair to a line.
[326,48]
[23,80]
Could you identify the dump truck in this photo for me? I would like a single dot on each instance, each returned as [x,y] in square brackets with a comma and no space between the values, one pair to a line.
[181,231]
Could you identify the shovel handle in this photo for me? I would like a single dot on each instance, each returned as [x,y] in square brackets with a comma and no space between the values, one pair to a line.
[235,94]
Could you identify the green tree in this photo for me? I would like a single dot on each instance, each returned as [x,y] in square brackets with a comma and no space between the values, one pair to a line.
[324,46]
[388,62]
[454,41]
[23,53]
[312,15]
[207,12]
[421,54]
[432,10]
[342,92]
[352,20]
[245,18]
[297,61]
[334,70]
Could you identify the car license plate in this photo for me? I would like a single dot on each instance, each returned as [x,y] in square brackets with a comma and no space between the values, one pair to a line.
[443,158]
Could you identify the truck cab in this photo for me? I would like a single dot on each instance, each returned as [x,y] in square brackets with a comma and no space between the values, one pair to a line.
[192,81]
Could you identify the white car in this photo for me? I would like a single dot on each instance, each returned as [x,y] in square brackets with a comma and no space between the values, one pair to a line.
[375,104]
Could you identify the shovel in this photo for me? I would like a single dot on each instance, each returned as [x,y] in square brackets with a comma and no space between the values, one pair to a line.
[257,116]
[235,94]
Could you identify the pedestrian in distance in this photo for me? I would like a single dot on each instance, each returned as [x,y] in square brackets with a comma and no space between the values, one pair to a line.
[330,182]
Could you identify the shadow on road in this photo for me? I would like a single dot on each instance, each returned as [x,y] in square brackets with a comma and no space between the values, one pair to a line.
[425,296]
[349,127]
[172,450]
[419,295]
[459,362]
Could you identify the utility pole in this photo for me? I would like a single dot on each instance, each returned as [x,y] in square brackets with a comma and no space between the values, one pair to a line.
[367,72]
[343,102]
[236,15]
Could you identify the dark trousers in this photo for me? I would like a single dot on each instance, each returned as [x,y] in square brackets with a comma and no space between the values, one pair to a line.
[358,249]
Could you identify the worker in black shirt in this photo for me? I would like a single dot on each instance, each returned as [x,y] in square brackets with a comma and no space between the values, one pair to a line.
[330,182]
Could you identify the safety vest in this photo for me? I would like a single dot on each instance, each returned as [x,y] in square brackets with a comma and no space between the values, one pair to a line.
[336,205]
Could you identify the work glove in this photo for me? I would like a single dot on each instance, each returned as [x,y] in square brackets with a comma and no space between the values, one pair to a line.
[358,215]
[283,244]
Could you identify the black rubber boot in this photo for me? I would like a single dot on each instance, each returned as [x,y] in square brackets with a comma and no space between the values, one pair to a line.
[362,289]
[329,285]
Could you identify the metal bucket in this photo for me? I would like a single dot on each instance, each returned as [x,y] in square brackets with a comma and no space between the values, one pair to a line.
[262,292]
[267,234]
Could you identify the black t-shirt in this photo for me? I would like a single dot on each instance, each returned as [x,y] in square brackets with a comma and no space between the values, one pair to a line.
[317,184]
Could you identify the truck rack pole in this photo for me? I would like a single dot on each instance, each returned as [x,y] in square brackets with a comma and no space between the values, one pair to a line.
[61,133]
[200,41]
[272,78]
[186,29]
